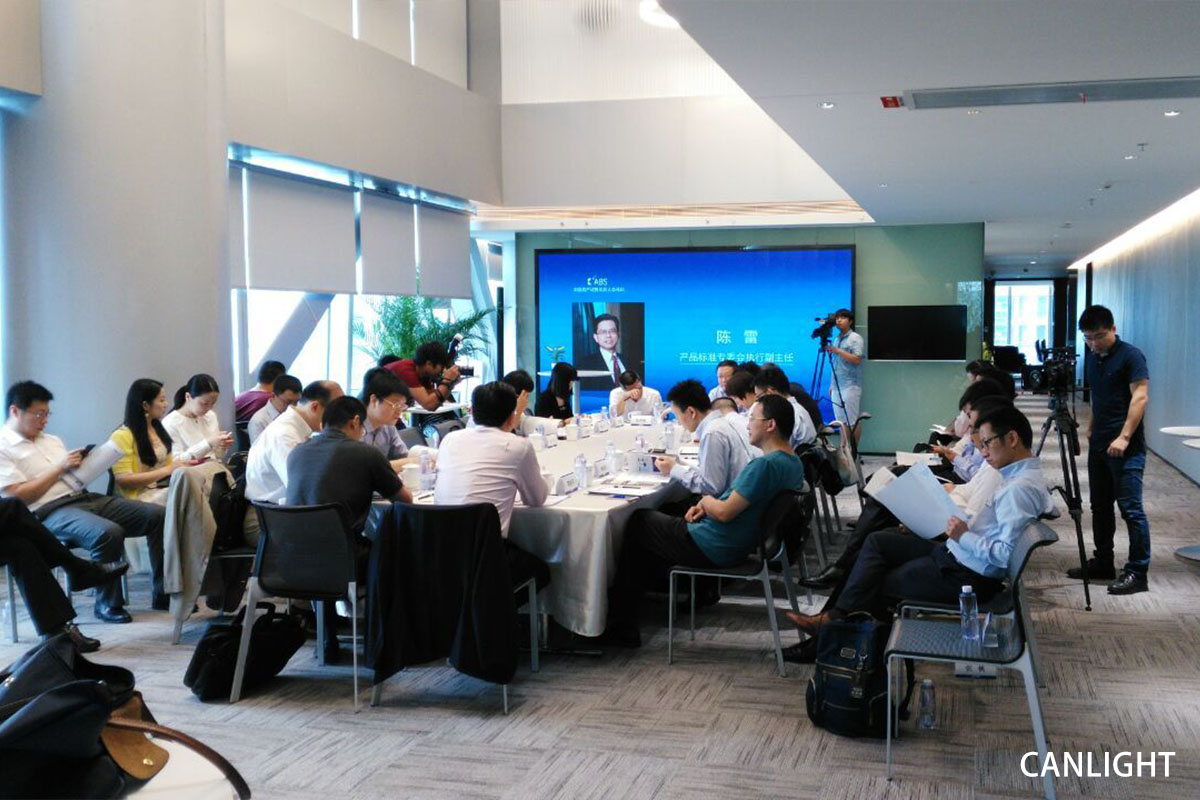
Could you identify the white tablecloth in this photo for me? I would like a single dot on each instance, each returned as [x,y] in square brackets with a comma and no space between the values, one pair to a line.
[580,537]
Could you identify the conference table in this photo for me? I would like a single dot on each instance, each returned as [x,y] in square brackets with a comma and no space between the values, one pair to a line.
[578,535]
[1189,552]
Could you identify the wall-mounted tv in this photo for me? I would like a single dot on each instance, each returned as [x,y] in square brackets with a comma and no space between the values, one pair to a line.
[917,333]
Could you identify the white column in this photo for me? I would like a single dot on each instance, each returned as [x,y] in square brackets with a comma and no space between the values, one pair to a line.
[114,199]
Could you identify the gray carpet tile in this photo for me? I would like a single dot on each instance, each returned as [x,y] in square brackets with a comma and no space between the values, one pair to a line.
[719,722]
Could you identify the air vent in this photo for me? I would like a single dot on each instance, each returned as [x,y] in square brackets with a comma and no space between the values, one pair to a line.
[1030,93]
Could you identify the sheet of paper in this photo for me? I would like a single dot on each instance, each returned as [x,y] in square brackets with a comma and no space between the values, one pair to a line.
[623,491]
[908,459]
[920,502]
[96,464]
[880,479]
[942,429]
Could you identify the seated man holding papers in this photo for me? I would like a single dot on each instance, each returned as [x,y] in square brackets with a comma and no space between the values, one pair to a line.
[895,566]
[717,531]
[267,463]
[723,451]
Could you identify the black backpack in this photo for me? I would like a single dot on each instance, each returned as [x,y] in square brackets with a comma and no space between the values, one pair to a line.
[847,693]
[273,641]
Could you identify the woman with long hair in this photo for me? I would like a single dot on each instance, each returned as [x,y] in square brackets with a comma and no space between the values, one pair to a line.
[555,402]
[145,444]
[193,426]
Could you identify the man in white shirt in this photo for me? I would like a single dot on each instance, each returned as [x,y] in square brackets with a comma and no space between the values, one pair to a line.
[37,469]
[773,380]
[485,464]
[266,465]
[631,397]
[723,451]
[725,371]
[285,394]
[728,407]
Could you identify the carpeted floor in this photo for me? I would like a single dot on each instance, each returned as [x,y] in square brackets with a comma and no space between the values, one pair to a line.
[719,722]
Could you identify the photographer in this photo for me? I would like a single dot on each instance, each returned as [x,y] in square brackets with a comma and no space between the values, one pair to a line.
[429,375]
[1120,383]
[845,359]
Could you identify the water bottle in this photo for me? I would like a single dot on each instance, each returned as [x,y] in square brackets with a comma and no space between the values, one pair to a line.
[582,473]
[658,407]
[639,443]
[928,717]
[541,432]
[428,475]
[968,607]
[610,453]
[603,412]
[669,436]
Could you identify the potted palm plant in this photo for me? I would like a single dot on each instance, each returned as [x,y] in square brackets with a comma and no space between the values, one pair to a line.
[404,323]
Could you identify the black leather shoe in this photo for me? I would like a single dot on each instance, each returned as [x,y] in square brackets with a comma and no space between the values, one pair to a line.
[1129,583]
[828,578]
[89,574]
[802,652]
[84,644]
[1096,571]
[114,614]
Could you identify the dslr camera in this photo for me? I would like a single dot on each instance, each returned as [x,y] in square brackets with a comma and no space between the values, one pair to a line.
[463,371]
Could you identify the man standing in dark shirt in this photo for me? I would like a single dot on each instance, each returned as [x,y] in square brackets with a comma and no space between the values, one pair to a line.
[1120,384]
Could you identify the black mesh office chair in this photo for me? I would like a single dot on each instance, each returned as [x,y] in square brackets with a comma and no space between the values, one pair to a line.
[304,553]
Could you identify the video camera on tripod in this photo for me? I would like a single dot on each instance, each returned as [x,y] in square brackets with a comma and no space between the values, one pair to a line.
[823,330]
[1056,374]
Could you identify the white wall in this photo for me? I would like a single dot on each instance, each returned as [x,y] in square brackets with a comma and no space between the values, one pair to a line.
[114,190]
[1153,289]
[686,150]
[298,86]
[441,38]
[20,50]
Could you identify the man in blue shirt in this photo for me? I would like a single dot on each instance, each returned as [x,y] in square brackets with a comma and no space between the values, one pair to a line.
[896,566]
[1120,383]
[716,532]
[845,361]
[724,453]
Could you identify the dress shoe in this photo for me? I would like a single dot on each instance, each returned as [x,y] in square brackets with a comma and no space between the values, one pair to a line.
[811,623]
[827,578]
[115,614]
[84,644]
[1129,583]
[1096,571]
[802,652]
[89,574]
[160,602]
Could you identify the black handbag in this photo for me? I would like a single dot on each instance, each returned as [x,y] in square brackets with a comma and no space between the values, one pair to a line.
[73,728]
[274,639]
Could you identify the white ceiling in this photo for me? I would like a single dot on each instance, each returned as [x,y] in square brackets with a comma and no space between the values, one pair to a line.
[1023,170]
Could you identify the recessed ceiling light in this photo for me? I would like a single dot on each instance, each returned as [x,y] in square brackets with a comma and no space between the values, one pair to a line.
[1130,157]
[1032,262]
[883,186]
[826,105]
[973,112]
[1174,112]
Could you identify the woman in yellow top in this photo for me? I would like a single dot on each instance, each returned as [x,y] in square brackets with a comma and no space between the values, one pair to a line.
[145,443]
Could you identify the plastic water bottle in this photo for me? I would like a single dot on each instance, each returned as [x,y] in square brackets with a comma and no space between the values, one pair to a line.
[603,412]
[928,716]
[428,474]
[669,436]
[582,473]
[968,607]
[639,443]
[541,432]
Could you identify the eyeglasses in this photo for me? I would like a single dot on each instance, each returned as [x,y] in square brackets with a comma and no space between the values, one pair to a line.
[756,419]
[396,406]
[1095,337]
[986,444]
[39,414]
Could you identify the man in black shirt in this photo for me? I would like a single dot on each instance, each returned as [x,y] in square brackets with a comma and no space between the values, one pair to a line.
[1120,384]
[338,467]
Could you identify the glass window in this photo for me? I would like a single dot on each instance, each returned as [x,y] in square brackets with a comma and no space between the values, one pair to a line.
[1022,315]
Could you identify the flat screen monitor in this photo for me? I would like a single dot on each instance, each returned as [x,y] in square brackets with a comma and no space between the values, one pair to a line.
[671,314]
[916,333]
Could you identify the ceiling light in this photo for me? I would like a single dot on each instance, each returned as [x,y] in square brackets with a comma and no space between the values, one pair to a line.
[883,186]
[1032,262]
[652,14]
[1174,112]
[826,105]
[973,112]
[1130,157]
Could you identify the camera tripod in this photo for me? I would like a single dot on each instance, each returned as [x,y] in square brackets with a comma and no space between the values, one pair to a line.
[823,358]
[1068,448]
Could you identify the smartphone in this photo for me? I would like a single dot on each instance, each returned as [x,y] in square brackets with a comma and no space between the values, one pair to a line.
[84,452]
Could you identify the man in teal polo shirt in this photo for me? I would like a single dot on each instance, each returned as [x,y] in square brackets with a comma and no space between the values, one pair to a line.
[716,532]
